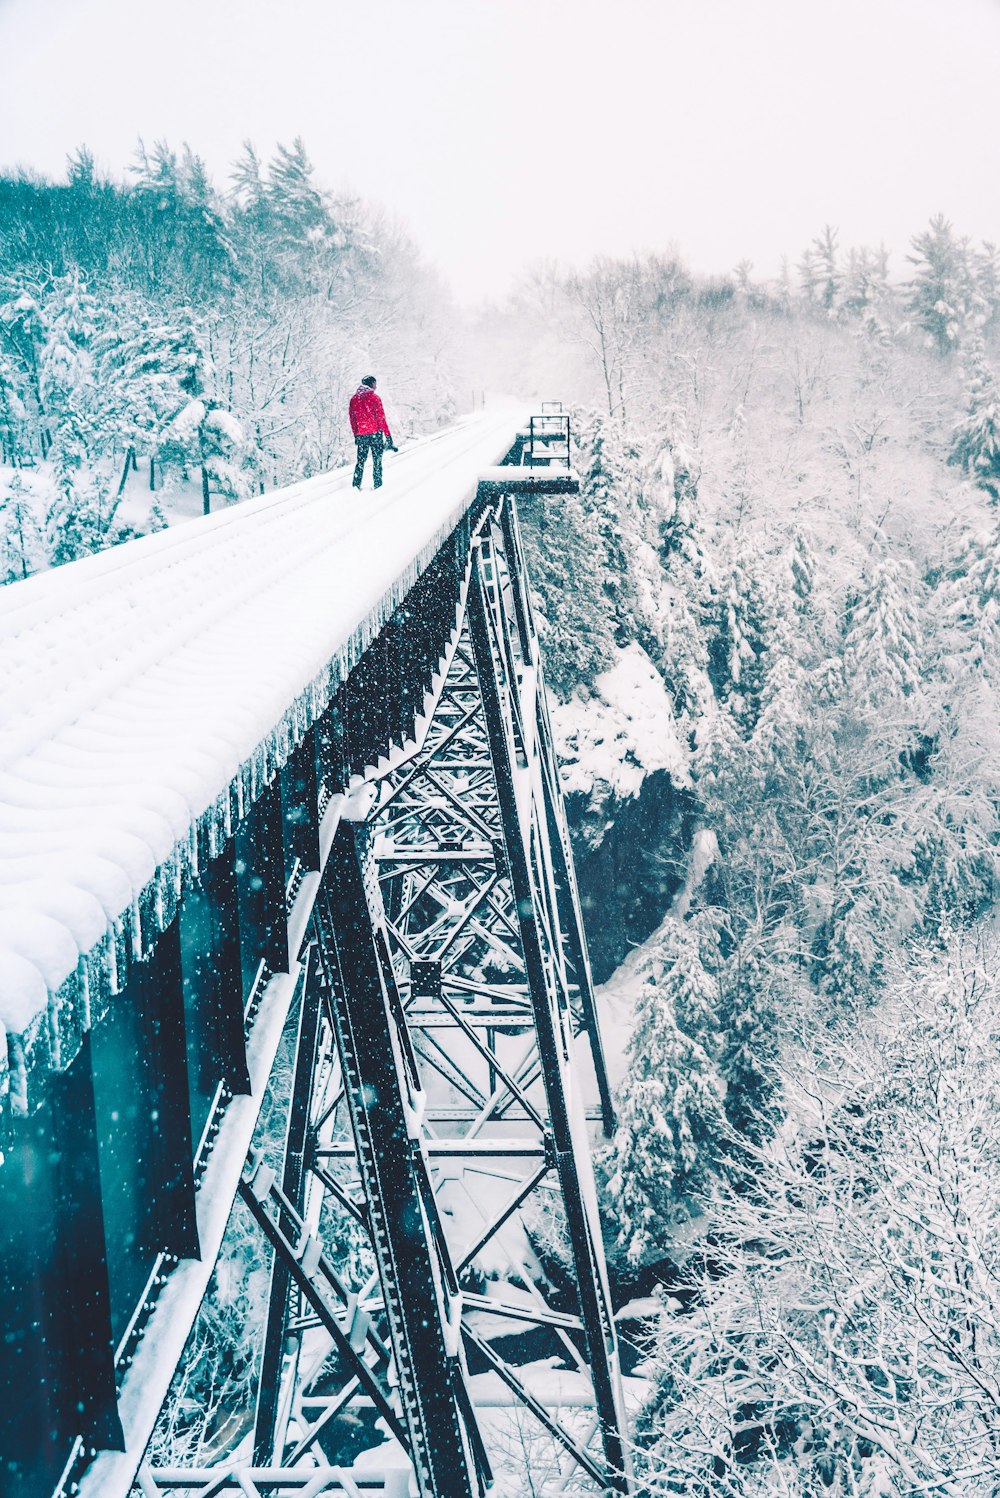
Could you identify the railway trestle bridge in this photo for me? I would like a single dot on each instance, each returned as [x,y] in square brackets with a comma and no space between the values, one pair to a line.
[288,920]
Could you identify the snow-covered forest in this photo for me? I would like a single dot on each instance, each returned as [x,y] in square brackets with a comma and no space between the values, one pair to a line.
[778,714]
[168,345]
[771,622]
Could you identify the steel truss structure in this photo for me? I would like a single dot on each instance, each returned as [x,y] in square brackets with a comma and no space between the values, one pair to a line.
[436,1132]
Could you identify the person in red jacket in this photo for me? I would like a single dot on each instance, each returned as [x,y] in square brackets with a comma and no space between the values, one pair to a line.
[371,430]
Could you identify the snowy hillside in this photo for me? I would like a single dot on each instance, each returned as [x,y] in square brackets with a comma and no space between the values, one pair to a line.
[779,593]
[610,741]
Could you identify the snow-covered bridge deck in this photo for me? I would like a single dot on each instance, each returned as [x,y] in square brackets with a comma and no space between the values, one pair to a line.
[193,883]
[136,684]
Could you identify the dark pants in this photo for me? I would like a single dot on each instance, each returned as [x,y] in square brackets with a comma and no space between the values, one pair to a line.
[366,445]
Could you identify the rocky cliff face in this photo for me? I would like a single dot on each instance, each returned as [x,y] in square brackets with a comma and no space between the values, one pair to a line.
[629,858]
[627,787]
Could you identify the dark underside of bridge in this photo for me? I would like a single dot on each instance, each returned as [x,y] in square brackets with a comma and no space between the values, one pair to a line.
[390,910]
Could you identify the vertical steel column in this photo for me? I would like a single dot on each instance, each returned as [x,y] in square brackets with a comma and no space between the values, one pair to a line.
[571,917]
[517,814]
[409,1247]
[292,1186]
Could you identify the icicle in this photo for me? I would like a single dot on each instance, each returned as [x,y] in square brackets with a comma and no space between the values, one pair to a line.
[4,1092]
[136,929]
[83,989]
[17,1068]
[119,968]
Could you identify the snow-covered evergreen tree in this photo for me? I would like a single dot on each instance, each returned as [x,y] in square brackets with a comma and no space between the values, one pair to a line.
[247,178]
[610,479]
[749,1058]
[975,445]
[576,633]
[20,532]
[13,414]
[866,294]
[821,274]
[741,619]
[884,644]
[221,443]
[674,495]
[973,598]
[80,514]
[23,325]
[672,1128]
[66,363]
[802,564]
[295,200]
[944,297]
[954,856]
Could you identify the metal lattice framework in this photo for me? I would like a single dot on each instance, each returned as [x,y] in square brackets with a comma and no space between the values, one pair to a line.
[340,1044]
[436,1130]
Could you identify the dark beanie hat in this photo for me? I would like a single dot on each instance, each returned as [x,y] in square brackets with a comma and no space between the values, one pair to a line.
[368,380]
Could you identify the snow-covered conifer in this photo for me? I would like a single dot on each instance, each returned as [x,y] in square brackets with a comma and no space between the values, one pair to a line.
[294,196]
[610,480]
[140,371]
[884,644]
[954,857]
[577,635]
[802,567]
[975,445]
[222,443]
[719,753]
[741,618]
[247,178]
[672,491]
[748,1061]
[973,596]
[866,294]
[24,327]
[671,1123]
[944,298]
[81,169]
[156,172]
[79,515]
[987,273]
[20,532]
[827,277]
[72,318]
[13,414]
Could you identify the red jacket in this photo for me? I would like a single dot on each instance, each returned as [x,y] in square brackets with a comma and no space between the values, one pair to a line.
[367,414]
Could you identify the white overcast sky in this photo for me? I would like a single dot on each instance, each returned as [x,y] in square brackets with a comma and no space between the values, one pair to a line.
[503,131]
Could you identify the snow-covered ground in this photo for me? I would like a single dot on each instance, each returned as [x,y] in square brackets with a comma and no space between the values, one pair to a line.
[627,729]
[135,684]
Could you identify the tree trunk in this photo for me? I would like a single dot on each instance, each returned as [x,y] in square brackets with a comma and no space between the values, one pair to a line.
[152,475]
[129,463]
[206,497]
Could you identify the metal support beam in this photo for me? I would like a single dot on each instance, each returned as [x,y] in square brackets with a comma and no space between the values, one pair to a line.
[418,1281]
[521,832]
[292,1186]
[571,920]
[436,1136]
